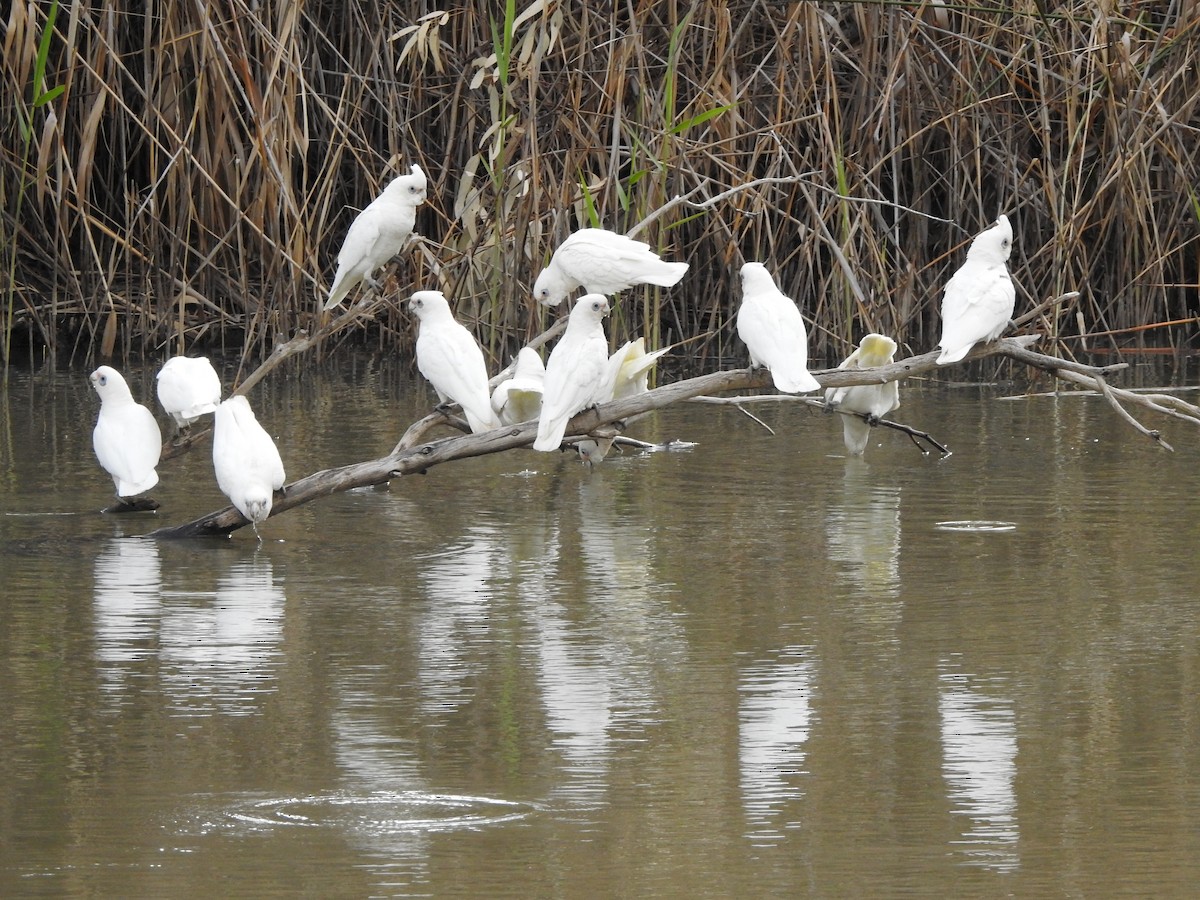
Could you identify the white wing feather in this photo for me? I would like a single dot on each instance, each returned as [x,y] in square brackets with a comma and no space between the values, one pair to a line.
[126,439]
[603,262]
[980,296]
[378,233]
[452,361]
[188,388]
[245,459]
[574,372]
[771,327]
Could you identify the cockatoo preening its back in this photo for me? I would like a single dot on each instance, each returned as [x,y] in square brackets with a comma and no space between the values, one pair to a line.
[126,438]
[875,400]
[519,397]
[980,296]
[602,262]
[188,388]
[451,360]
[575,371]
[772,329]
[378,233]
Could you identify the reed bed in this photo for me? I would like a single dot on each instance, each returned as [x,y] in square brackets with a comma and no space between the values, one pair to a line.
[180,175]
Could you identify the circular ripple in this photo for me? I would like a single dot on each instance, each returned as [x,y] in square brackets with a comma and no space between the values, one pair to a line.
[379,813]
[976,525]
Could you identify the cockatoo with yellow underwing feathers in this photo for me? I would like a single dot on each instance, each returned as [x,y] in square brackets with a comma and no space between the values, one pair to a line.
[874,400]
[771,327]
[575,370]
[246,461]
[602,262]
[451,360]
[519,397]
[188,388]
[378,233]
[627,374]
[126,438]
[979,299]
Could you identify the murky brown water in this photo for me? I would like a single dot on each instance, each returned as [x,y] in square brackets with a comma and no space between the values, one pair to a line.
[752,668]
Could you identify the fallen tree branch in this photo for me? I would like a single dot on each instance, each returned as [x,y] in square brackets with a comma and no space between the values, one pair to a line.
[741,403]
[303,341]
[414,455]
[1121,411]
[1093,377]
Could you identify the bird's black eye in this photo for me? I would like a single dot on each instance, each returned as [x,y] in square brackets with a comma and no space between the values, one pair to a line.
[103,380]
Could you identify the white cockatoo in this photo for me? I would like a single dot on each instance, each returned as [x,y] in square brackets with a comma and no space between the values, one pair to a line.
[378,233]
[874,400]
[602,262]
[627,374]
[575,371]
[126,438]
[518,398]
[451,360]
[630,368]
[245,459]
[979,299]
[771,327]
[188,388]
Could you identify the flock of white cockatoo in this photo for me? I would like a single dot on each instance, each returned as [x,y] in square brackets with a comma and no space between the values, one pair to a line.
[128,442]
[579,373]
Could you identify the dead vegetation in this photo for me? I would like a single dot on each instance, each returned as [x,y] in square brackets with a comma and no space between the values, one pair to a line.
[181,175]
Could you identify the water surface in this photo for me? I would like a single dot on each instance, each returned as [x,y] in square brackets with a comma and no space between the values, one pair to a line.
[749,668]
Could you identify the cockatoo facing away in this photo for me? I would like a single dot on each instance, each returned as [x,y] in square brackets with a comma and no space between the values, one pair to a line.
[627,374]
[632,363]
[188,388]
[875,400]
[575,371]
[602,262]
[980,296]
[519,398]
[245,459]
[451,360]
[126,438]
[771,327]
[378,233]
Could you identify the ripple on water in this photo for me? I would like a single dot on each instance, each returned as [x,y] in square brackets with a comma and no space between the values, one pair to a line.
[378,813]
[976,525]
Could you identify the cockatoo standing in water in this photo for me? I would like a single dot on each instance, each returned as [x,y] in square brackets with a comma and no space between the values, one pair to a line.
[575,370]
[602,262]
[378,233]
[451,360]
[519,397]
[772,329]
[188,388]
[980,296]
[245,459]
[874,400]
[126,438]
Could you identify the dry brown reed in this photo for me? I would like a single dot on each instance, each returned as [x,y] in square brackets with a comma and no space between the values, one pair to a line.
[192,183]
